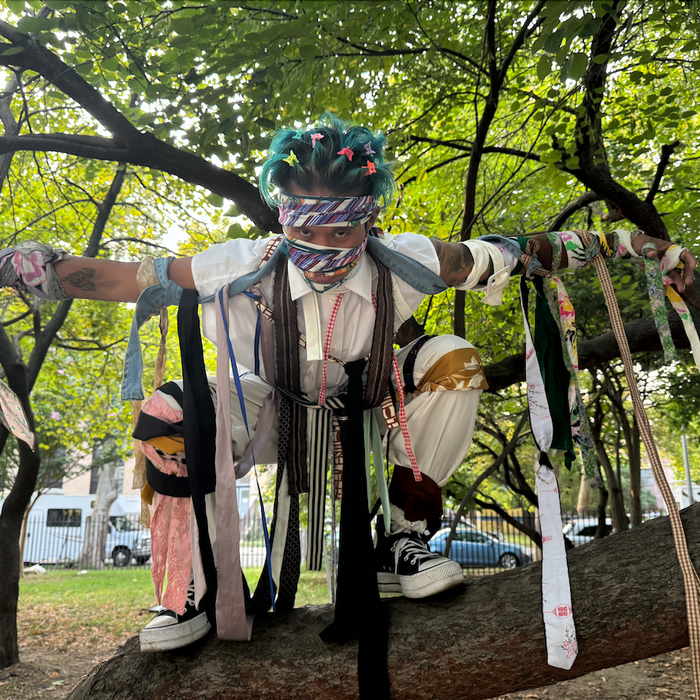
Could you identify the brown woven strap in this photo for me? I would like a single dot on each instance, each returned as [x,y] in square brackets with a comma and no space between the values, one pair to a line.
[382,355]
[690,577]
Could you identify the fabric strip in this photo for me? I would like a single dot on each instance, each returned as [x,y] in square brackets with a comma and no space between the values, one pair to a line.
[560,632]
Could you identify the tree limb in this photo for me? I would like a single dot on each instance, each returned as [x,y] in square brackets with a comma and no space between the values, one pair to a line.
[571,208]
[512,444]
[666,153]
[641,334]
[477,641]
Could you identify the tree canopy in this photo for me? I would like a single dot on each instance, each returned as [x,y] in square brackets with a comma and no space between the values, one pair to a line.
[125,120]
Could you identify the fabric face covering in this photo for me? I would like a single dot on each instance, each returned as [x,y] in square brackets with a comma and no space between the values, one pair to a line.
[317,262]
[302,211]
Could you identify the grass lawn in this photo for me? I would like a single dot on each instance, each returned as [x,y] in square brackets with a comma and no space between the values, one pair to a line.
[112,603]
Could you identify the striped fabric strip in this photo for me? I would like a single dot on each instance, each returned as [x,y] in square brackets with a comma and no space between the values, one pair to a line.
[325,211]
[690,577]
[318,462]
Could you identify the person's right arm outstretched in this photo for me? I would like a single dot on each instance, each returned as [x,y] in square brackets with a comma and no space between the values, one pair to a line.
[109,280]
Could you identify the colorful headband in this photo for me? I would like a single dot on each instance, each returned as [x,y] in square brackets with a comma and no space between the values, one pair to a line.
[325,211]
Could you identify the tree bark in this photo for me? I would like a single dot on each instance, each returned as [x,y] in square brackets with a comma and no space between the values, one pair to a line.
[21,377]
[96,532]
[641,335]
[477,641]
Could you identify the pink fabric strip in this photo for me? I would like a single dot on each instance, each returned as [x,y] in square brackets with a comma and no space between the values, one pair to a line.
[171,544]
[231,620]
[327,348]
[403,421]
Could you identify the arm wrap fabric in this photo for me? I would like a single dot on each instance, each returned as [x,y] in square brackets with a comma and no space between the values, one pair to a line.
[29,267]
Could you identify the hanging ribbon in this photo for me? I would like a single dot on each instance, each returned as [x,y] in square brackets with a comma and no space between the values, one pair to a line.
[560,632]
[13,416]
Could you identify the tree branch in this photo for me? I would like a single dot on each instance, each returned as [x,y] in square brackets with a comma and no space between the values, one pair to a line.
[579,203]
[641,334]
[485,639]
[666,153]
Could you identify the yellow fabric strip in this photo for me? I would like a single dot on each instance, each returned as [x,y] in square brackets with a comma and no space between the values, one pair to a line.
[168,443]
[458,370]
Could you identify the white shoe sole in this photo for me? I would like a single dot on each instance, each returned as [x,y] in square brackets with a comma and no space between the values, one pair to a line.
[174,636]
[423,584]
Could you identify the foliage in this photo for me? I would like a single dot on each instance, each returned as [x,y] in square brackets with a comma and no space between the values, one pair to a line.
[500,115]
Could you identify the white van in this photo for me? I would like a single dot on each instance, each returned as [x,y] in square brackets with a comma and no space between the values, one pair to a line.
[57,527]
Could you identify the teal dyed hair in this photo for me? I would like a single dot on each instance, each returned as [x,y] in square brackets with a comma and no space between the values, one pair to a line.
[320,168]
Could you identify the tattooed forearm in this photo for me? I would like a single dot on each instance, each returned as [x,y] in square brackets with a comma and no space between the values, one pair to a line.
[456,261]
[81,279]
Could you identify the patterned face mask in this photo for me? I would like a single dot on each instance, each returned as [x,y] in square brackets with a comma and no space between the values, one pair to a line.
[317,262]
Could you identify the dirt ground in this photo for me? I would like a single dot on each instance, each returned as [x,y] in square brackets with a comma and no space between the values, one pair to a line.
[48,671]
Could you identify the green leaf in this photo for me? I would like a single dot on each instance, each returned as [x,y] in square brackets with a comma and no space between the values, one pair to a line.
[11,52]
[579,63]
[15,6]
[553,42]
[265,123]
[544,67]
[215,200]
[36,24]
[308,51]
[233,210]
[182,25]
[236,231]
[83,68]
[600,58]
[590,28]
[572,163]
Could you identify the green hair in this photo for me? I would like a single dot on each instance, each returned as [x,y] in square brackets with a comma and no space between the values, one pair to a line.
[320,167]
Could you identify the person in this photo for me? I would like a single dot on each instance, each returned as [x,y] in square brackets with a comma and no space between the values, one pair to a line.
[317,302]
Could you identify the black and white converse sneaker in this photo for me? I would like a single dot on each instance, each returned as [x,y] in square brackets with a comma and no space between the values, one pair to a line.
[406,565]
[167,630]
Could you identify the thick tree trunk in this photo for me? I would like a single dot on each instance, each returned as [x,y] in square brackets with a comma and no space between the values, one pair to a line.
[478,641]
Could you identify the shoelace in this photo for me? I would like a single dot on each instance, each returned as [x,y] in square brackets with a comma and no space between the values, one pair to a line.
[407,547]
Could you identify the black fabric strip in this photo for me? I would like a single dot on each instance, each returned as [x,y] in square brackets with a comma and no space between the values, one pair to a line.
[200,433]
[358,609]
[148,427]
[172,389]
[410,363]
[167,484]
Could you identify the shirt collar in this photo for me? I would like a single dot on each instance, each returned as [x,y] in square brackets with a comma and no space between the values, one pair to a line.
[358,281]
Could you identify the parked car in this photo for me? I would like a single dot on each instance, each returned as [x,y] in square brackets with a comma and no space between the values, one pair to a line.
[474,548]
[582,530]
[127,539]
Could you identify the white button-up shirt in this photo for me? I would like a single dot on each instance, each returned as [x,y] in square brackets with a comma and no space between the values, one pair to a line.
[352,333]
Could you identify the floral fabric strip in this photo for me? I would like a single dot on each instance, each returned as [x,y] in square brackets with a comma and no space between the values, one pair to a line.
[655,287]
[580,427]
[13,416]
[684,313]
[29,267]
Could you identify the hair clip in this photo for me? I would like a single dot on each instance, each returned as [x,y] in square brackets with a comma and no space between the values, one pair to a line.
[291,160]
[346,152]
[299,136]
[314,139]
[368,149]
[371,168]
